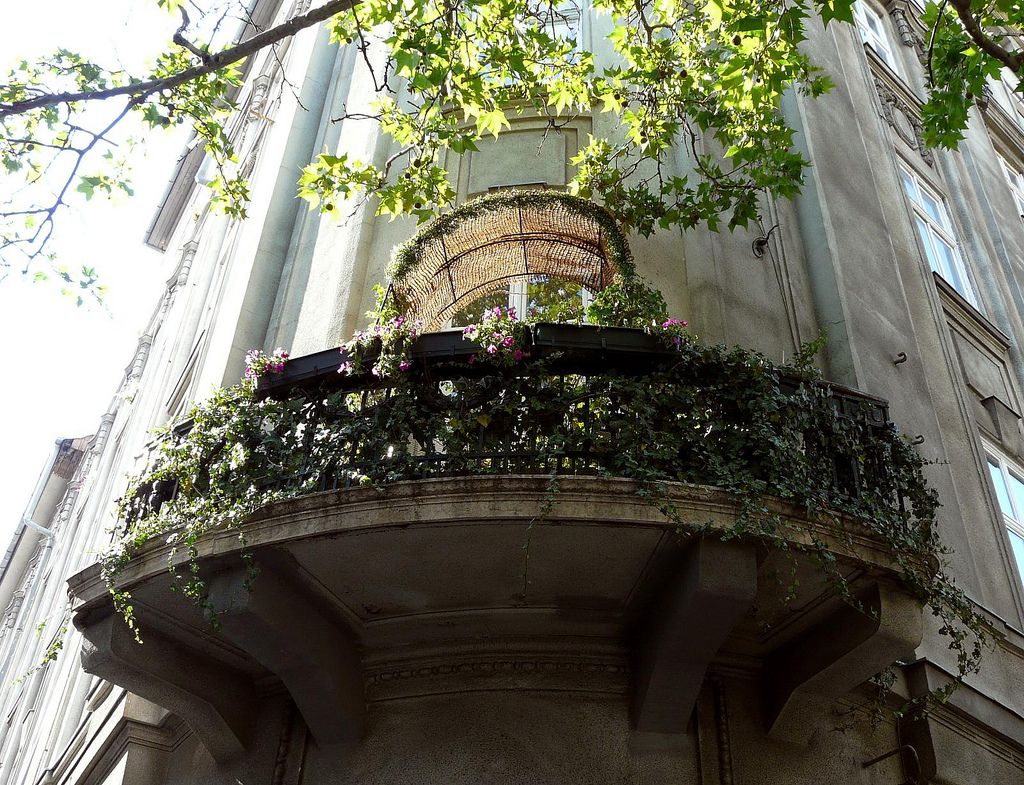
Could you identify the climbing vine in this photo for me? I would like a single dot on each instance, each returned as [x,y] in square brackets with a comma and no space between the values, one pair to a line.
[694,414]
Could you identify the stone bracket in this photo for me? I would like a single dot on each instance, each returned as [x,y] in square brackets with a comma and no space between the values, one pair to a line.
[845,649]
[215,701]
[280,628]
[687,623]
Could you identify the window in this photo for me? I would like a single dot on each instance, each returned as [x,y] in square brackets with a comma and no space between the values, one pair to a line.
[541,298]
[872,32]
[1005,95]
[1016,182]
[1008,481]
[936,232]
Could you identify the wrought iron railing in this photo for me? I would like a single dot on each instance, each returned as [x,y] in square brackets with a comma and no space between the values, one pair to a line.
[588,400]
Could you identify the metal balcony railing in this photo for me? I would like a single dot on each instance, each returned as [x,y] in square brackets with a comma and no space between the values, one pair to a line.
[579,404]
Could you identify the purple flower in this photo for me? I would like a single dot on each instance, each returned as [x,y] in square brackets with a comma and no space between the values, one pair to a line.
[472,359]
[492,349]
[497,312]
[346,367]
[517,355]
[507,343]
[403,366]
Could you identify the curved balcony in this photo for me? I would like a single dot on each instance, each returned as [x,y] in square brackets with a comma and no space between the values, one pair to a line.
[505,538]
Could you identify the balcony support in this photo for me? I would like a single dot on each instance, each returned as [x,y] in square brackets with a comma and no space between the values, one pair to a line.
[215,701]
[713,586]
[315,659]
[839,653]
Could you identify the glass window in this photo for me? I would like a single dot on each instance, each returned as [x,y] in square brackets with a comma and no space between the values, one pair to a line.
[1004,93]
[1016,182]
[936,232]
[1008,481]
[871,25]
[541,299]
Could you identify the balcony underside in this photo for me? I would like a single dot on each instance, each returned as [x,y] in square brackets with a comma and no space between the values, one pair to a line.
[459,583]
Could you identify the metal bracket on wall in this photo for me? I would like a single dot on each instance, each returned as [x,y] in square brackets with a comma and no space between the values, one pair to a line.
[760,243]
[911,754]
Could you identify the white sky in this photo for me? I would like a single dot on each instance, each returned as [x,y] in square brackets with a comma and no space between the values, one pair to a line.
[62,364]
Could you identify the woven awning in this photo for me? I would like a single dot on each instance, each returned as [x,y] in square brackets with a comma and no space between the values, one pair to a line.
[484,244]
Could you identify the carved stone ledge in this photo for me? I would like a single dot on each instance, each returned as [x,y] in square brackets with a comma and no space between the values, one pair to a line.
[804,677]
[314,658]
[714,584]
[217,703]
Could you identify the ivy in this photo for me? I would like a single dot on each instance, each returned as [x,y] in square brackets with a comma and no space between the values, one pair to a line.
[699,414]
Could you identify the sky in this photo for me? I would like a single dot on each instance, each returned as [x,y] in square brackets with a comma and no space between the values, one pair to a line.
[63,363]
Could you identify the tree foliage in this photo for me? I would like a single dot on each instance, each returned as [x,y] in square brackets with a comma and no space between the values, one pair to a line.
[693,90]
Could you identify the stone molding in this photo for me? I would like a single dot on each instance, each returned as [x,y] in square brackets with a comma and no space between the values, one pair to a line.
[902,116]
[905,19]
[575,672]
[580,499]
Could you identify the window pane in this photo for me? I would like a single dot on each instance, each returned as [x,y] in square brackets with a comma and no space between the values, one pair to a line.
[555,300]
[1000,485]
[1017,543]
[950,268]
[933,209]
[1016,491]
[471,313]
[929,248]
[910,185]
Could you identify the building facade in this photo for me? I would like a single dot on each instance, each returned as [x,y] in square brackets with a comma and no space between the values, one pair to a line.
[388,636]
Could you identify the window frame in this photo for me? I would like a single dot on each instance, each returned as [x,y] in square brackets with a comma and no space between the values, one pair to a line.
[1013,521]
[939,229]
[519,298]
[876,35]
[1007,97]
[1015,180]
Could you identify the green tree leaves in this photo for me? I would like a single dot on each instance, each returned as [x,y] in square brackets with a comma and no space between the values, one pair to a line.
[684,81]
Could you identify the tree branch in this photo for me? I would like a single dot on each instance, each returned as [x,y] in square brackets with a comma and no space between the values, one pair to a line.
[1011,60]
[143,89]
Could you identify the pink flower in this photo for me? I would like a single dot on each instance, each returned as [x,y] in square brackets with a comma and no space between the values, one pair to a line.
[497,312]
[492,349]
[469,331]
[507,343]
[517,355]
[512,313]
[346,367]
[403,366]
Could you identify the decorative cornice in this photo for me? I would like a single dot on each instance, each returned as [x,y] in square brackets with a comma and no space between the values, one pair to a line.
[102,432]
[181,272]
[970,321]
[579,673]
[902,12]
[138,363]
[506,665]
[903,117]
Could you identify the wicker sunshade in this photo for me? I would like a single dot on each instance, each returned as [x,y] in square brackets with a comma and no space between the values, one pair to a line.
[484,244]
